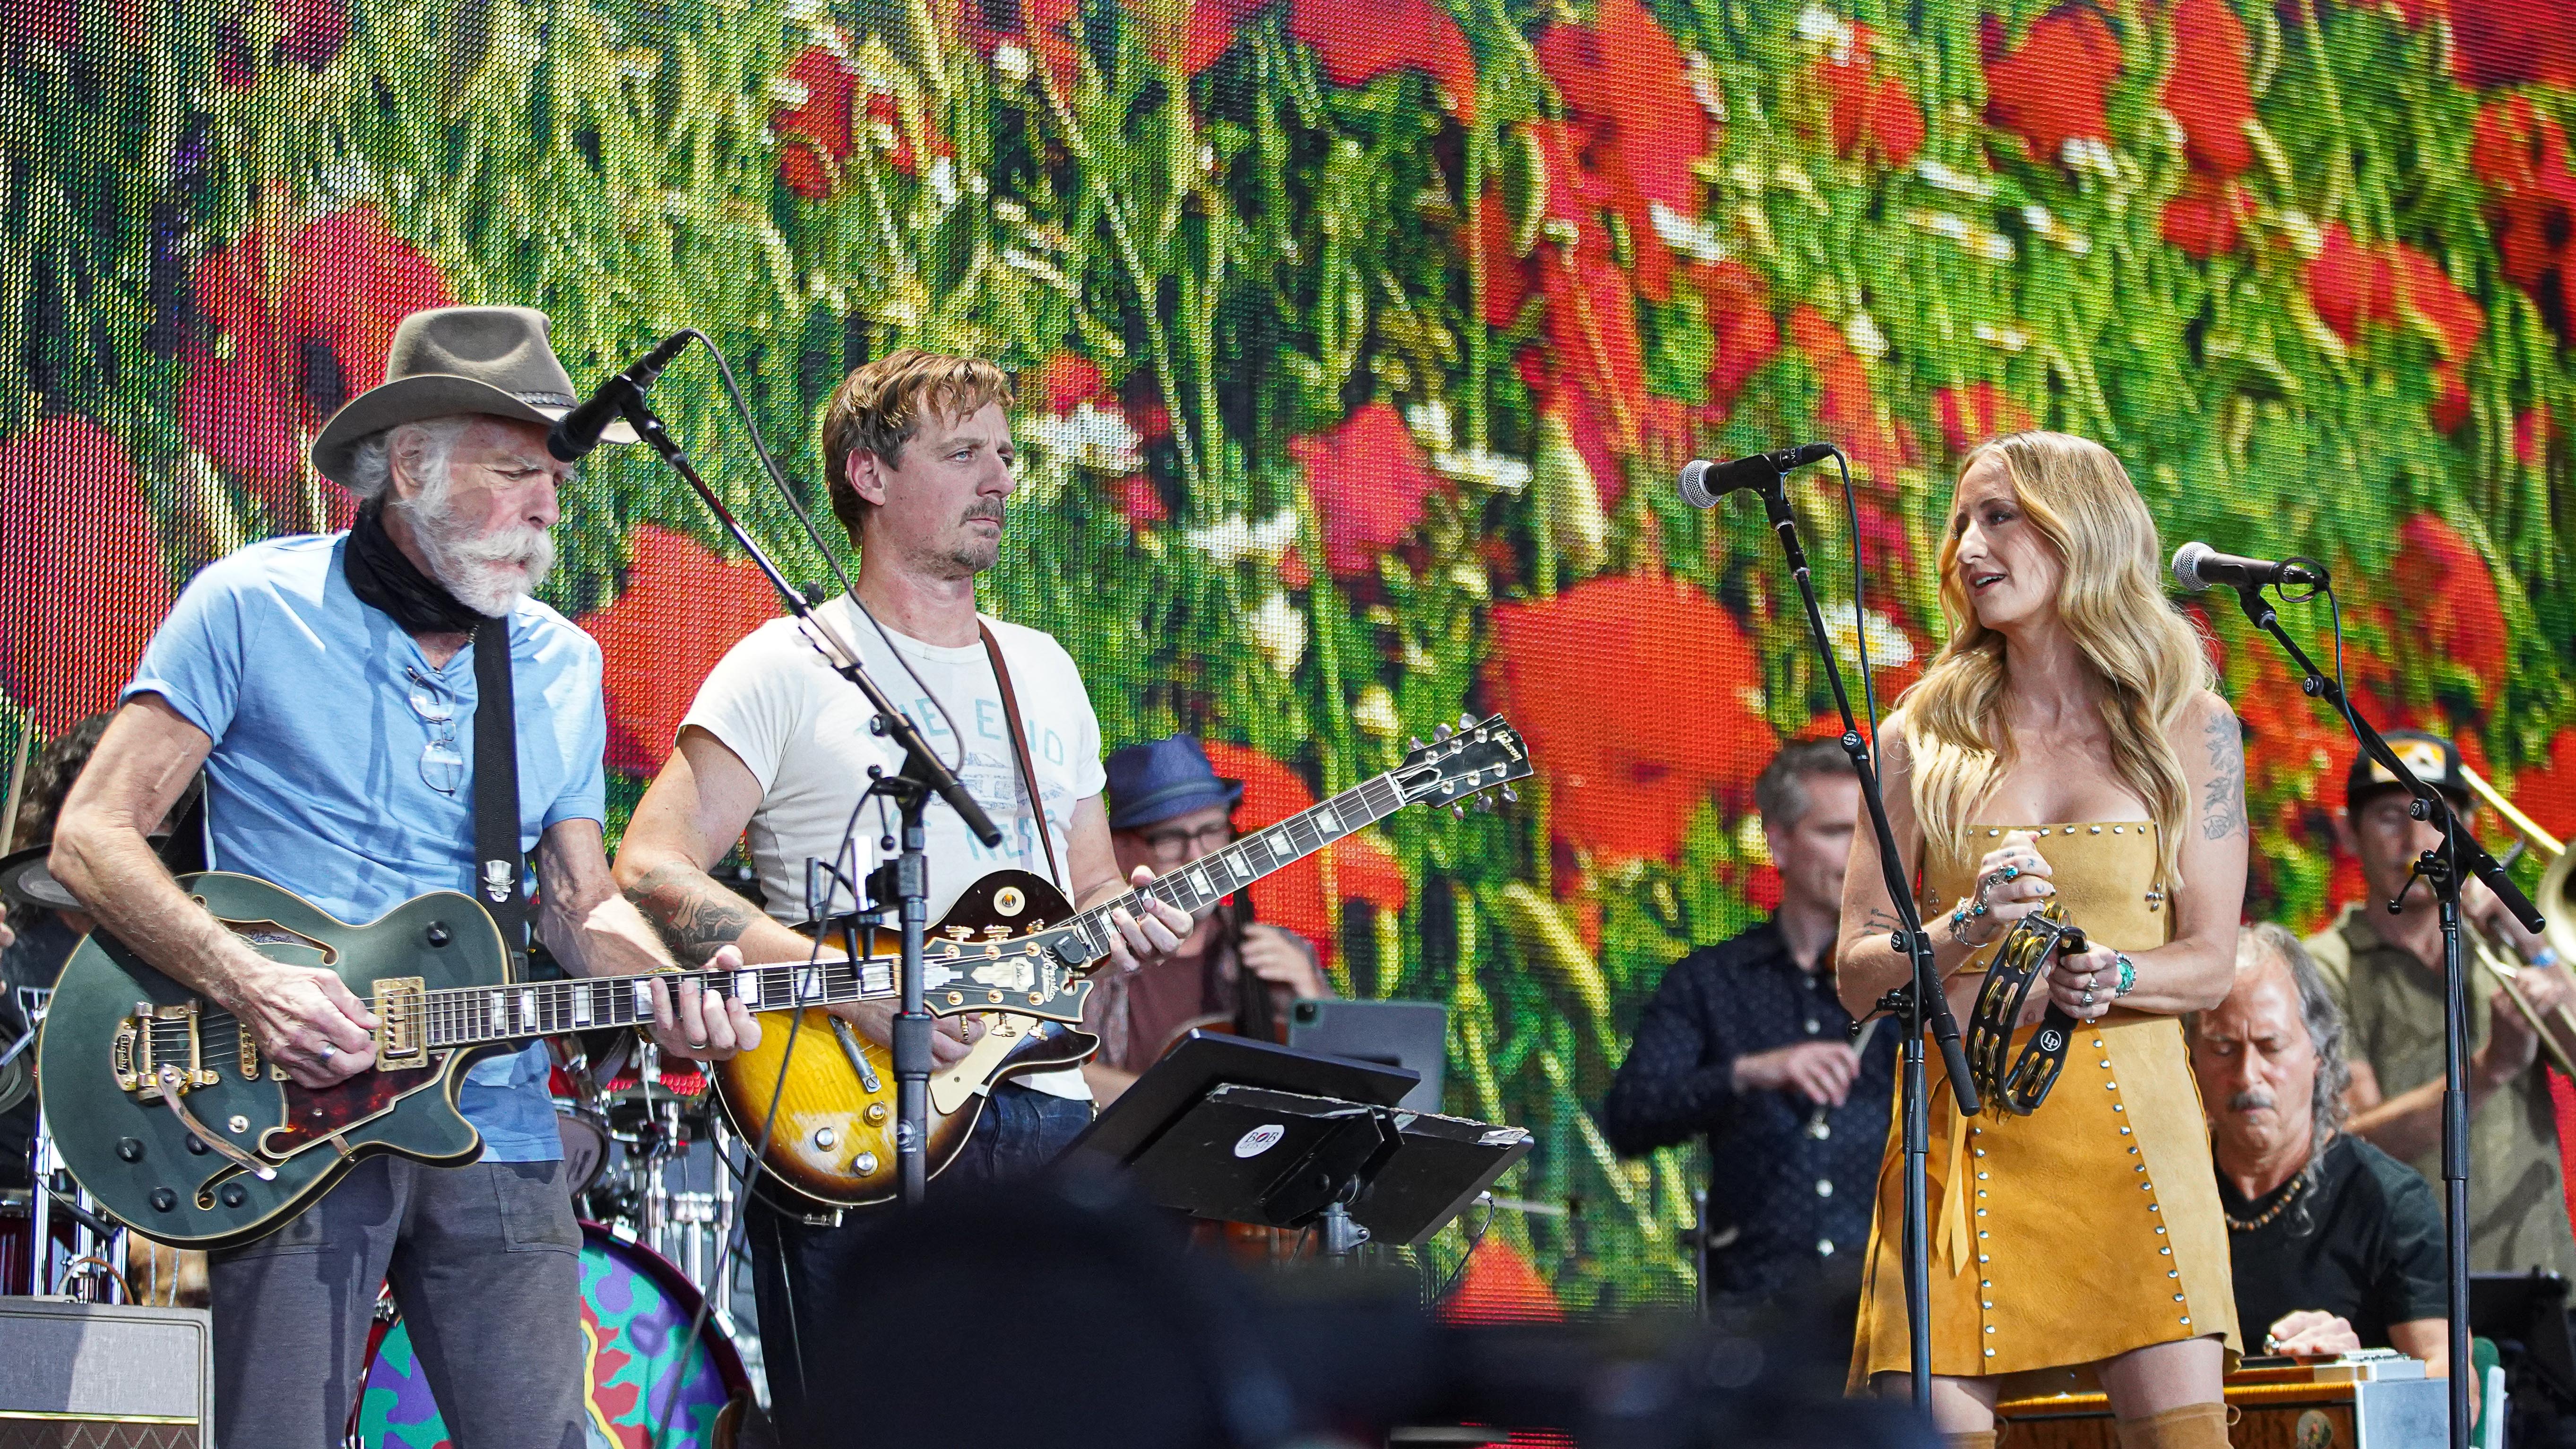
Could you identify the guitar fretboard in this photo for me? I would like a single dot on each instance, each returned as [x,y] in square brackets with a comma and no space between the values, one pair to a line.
[1203,882]
[465,1015]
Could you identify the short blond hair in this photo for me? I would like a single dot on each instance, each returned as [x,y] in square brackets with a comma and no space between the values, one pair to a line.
[880,407]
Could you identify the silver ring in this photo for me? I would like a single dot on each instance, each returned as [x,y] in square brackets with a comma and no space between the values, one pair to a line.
[2088,998]
[326,1050]
[698,1045]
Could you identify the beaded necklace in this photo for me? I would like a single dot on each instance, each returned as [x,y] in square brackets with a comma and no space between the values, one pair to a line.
[2289,1195]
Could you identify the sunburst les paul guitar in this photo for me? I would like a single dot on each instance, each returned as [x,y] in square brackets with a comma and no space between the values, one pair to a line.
[172,1118]
[831,1139]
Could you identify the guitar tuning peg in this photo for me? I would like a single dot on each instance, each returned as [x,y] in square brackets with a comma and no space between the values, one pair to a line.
[1440,732]
[1485,804]
[1413,743]
[1510,797]
[1466,721]
[1457,812]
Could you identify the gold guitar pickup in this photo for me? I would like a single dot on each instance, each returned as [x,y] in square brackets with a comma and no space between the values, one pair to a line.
[401,1034]
[152,1038]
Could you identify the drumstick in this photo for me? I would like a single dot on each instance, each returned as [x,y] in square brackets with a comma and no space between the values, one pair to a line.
[17,783]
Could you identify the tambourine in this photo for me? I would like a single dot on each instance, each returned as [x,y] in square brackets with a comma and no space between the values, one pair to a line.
[2018,1084]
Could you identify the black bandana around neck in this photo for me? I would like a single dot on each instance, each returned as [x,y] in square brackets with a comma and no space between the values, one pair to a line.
[382,576]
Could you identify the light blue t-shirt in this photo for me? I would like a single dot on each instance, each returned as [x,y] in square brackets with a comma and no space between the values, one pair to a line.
[321,708]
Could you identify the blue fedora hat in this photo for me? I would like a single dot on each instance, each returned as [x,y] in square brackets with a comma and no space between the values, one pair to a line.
[1159,779]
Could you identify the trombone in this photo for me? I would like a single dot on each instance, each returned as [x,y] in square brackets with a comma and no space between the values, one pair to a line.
[2556,898]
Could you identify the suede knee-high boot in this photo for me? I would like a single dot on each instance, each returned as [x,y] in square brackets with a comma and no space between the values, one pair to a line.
[2193,1426]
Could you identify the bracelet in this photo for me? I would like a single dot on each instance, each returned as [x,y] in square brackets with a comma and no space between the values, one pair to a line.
[2544,958]
[2128,977]
[1966,911]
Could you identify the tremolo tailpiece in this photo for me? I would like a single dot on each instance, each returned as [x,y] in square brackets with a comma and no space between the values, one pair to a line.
[172,1089]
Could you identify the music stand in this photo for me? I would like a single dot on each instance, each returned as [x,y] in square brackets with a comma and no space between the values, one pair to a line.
[1243,1131]
[1409,1034]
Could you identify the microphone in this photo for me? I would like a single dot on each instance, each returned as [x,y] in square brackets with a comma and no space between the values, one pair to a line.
[577,432]
[1704,482]
[2198,568]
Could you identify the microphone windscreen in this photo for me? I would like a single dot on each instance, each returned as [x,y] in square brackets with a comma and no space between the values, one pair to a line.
[1694,484]
[2186,565]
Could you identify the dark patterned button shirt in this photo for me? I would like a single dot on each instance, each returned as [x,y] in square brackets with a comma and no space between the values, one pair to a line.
[1792,1183]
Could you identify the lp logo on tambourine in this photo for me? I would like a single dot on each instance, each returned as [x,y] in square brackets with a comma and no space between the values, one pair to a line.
[2050,1041]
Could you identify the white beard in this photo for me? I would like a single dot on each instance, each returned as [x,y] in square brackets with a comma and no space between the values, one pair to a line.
[487,572]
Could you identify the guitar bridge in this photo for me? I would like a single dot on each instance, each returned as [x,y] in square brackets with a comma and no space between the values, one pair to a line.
[153,1038]
[401,1036]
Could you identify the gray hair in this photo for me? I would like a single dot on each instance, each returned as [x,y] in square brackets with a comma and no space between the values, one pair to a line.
[371,463]
[2269,941]
[1781,792]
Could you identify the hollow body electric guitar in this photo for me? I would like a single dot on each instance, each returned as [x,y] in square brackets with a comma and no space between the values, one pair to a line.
[172,1118]
[831,1138]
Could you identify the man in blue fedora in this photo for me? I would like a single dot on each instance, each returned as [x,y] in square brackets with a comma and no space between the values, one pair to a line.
[1168,807]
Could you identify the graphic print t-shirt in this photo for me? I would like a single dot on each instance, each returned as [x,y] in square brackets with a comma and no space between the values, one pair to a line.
[803,732]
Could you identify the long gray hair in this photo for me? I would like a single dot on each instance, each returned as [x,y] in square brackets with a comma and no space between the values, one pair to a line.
[2257,944]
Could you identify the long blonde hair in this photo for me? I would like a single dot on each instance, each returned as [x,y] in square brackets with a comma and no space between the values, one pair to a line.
[2080,499]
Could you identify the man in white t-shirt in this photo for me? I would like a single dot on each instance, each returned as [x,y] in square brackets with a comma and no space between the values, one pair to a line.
[776,748]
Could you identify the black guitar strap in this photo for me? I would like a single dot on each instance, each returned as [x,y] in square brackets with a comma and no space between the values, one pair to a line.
[498,865]
[1020,752]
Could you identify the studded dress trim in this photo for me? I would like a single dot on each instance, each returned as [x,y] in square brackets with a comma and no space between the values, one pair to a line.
[2093,1226]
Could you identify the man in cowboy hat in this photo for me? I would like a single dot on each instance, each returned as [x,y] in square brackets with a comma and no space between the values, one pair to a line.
[1169,807]
[329,686]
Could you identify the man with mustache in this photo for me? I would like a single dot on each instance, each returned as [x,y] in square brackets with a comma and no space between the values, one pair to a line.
[776,752]
[2335,1244]
[329,686]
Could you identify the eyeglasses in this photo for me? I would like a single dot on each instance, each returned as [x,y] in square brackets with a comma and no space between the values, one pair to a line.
[1172,845]
[441,767]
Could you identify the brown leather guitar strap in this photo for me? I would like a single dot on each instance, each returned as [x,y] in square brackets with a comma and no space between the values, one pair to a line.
[1020,752]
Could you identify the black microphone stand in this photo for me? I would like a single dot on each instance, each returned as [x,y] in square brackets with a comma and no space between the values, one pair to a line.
[2444,869]
[1919,1003]
[911,787]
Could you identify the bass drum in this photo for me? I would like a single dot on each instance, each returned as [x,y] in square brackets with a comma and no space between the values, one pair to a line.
[635,1310]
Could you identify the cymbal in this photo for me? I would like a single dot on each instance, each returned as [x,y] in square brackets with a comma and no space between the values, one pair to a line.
[24,881]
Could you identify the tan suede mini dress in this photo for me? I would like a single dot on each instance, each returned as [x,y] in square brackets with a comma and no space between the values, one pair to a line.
[2090,1227]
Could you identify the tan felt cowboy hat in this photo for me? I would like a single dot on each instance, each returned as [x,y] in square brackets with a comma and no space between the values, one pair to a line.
[450,360]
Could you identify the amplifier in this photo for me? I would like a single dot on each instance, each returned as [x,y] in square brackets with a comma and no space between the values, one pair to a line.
[101,1377]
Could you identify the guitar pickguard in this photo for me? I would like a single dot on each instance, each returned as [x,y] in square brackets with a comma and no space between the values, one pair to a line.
[316,1115]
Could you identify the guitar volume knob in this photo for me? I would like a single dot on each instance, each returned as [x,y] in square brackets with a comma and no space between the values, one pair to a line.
[233,1195]
[129,1149]
[438,934]
[864,1163]
[163,1199]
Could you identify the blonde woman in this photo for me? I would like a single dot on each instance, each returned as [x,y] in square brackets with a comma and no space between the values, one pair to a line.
[2064,745]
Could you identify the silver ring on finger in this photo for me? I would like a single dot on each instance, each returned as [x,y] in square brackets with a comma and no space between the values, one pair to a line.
[326,1051]
[2088,998]
[698,1044]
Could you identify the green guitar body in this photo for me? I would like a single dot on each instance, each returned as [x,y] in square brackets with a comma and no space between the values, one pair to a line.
[100,1059]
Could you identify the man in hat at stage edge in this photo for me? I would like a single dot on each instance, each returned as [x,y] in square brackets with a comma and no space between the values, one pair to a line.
[2385,973]
[1168,807]
[328,686]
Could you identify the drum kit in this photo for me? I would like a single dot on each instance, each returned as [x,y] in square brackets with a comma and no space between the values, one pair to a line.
[650,1167]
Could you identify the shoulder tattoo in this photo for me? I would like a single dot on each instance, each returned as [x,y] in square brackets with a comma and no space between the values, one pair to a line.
[2222,804]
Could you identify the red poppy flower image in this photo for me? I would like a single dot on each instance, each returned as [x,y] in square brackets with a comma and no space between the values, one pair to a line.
[1139,500]
[1065,381]
[54,23]
[1298,896]
[1969,415]
[295,325]
[1873,116]
[2202,218]
[1498,1285]
[2513,42]
[2521,155]
[2547,792]
[1847,407]
[82,585]
[2055,87]
[2451,611]
[682,608]
[1369,478]
[2350,284]
[1359,40]
[1746,334]
[814,134]
[1623,782]
[1624,80]
[311,33]
[2208,91]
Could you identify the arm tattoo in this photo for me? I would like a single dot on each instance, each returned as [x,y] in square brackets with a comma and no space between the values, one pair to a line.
[694,914]
[2223,802]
